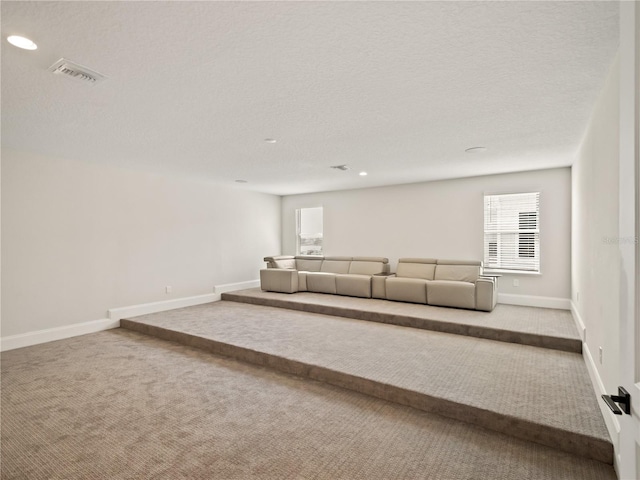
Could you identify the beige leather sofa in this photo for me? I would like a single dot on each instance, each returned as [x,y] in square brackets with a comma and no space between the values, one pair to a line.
[446,283]
[337,275]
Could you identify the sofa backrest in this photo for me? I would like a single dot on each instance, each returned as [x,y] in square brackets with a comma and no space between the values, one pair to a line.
[336,264]
[416,268]
[458,270]
[308,263]
[369,265]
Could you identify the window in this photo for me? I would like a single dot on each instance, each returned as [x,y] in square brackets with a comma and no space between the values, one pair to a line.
[512,232]
[526,241]
[309,231]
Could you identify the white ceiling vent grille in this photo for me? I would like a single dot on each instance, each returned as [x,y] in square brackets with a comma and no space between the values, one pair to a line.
[77,72]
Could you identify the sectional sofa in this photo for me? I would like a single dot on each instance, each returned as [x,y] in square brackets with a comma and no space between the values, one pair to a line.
[337,275]
[446,283]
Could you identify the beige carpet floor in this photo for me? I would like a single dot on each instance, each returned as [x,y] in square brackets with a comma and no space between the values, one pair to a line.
[542,386]
[121,405]
[552,328]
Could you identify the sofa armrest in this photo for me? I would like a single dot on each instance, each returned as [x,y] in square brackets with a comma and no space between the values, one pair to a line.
[281,280]
[486,294]
[281,261]
[378,285]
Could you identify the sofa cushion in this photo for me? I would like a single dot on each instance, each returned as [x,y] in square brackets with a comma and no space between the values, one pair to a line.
[476,263]
[289,263]
[366,267]
[354,285]
[417,260]
[371,259]
[412,290]
[308,264]
[336,264]
[459,273]
[321,282]
[416,268]
[448,293]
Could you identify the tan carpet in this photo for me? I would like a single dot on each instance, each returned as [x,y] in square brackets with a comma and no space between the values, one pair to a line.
[544,327]
[120,405]
[529,392]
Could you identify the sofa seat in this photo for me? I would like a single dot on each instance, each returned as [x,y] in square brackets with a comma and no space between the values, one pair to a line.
[451,293]
[403,289]
[354,285]
[321,282]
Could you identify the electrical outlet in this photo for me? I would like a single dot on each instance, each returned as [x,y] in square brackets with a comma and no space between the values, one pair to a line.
[516,282]
[168,289]
[600,354]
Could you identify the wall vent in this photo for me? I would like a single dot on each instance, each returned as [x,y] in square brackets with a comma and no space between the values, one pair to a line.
[77,72]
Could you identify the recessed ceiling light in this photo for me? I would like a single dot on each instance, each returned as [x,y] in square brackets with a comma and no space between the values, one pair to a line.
[363,174]
[476,150]
[21,42]
[270,140]
[241,181]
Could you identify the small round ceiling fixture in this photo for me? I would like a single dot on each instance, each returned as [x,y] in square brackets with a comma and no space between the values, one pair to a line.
[363,174]
[270,140]
[241,181]
[476,150]
[21,42]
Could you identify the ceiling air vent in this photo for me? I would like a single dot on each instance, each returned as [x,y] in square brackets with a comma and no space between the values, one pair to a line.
[78,72]
[340,167]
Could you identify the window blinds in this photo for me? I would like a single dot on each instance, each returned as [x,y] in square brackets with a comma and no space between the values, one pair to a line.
[309,231]
[512,232]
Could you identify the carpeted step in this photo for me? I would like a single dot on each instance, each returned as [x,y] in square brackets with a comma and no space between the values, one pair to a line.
[548,328]
[535,394]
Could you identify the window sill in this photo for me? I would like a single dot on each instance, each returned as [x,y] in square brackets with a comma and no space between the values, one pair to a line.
[507,272]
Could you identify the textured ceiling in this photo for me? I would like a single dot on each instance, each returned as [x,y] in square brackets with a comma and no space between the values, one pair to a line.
[399,89]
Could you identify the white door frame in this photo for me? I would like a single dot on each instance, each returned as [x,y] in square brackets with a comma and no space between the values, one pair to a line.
[627,462]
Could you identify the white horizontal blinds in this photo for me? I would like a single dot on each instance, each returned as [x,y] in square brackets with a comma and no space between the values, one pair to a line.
[512,232]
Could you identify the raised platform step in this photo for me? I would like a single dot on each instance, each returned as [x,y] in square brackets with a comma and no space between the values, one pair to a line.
[548,328]
[535,394]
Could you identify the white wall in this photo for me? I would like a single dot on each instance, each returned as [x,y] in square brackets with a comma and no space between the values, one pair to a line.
[79,239]
[605,239]
[595,269]
[442,219]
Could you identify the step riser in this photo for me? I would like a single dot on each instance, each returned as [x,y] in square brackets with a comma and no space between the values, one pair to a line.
[566,441]
[554,343]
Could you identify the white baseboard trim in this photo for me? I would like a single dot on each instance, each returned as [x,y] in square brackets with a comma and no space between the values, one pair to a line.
[146,308]
[582,330]
[534,301]
[164,305]
[115,315]
[612,423]
[230,287]
[57,333]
